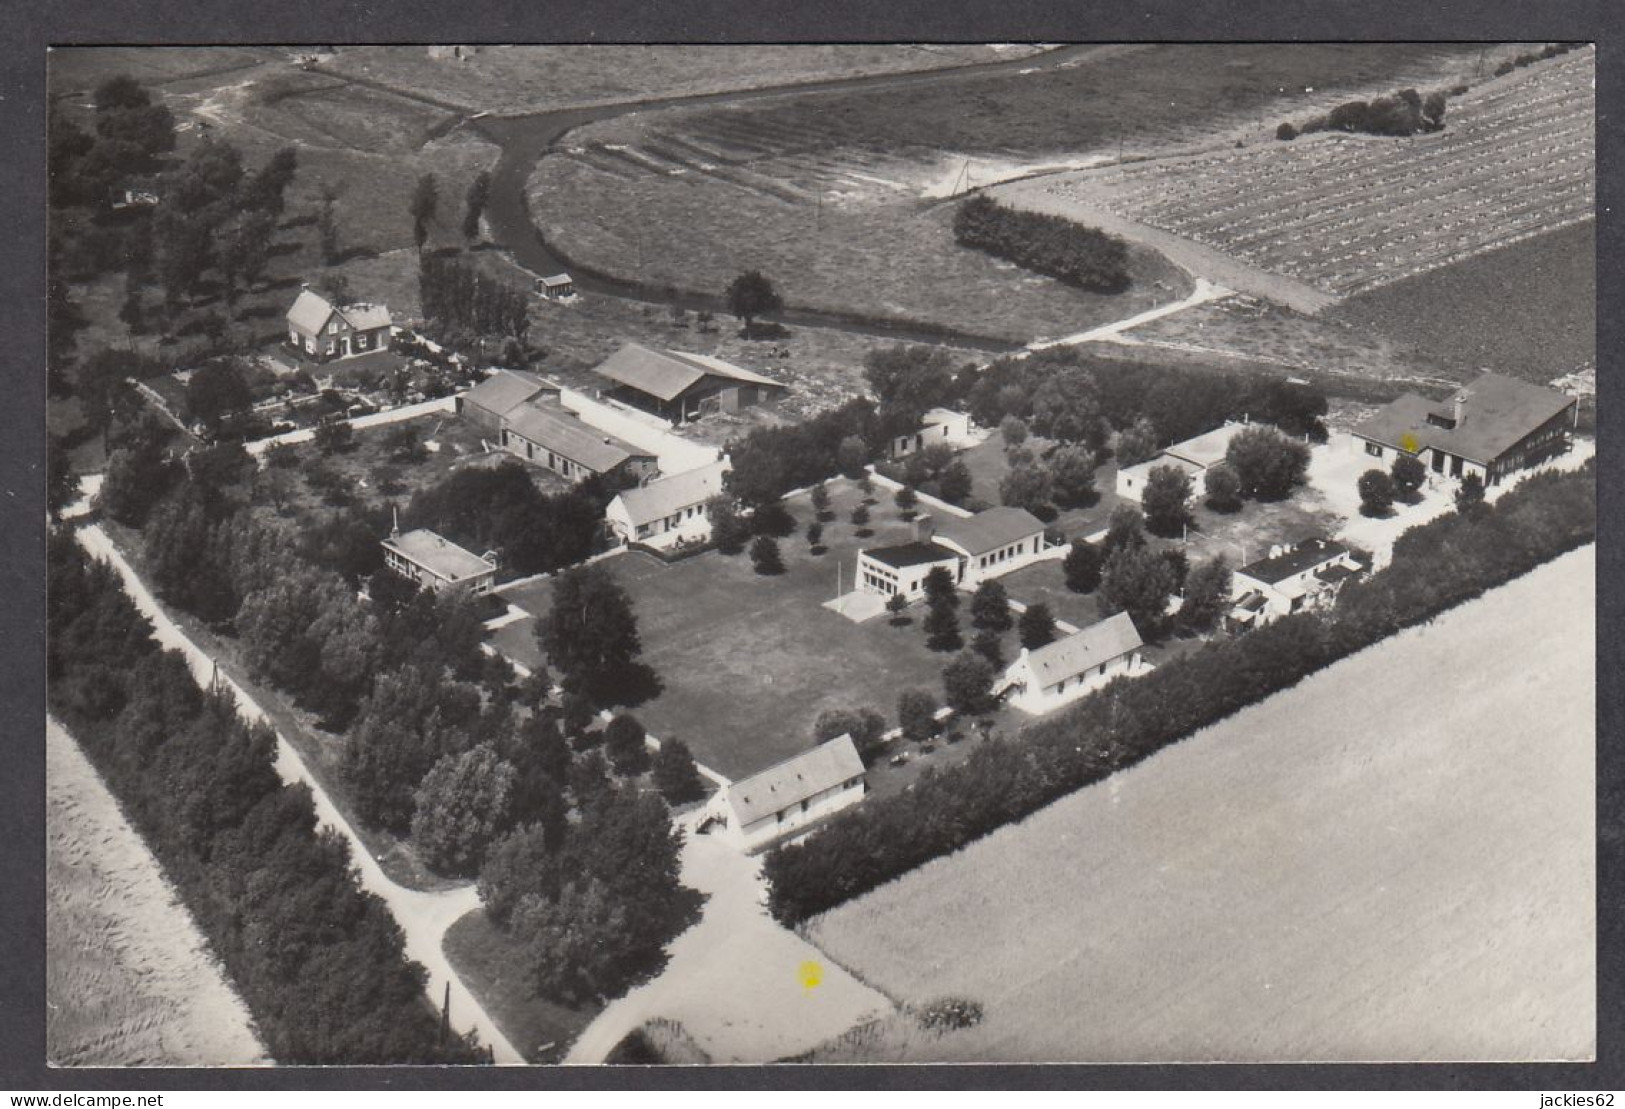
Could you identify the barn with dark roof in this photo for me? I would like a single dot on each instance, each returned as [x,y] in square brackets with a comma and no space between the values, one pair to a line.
[679,386]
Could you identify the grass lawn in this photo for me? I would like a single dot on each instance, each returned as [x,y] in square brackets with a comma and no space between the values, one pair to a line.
[488,962]
[749,662]
[1377,864]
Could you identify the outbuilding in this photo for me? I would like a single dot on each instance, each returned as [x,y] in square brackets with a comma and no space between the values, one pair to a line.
[1058,673]
[788,797]
[678,386]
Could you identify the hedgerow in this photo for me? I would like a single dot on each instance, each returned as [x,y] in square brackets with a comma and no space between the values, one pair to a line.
[1051,245]
[1434,567]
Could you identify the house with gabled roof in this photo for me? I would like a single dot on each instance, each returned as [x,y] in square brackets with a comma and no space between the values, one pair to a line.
[1291,578]
[668,511]
[1045,678]
[487,403]
[1193,457]
[678,386]
[1491,427]
[787,797]
[552,436]
[323,331]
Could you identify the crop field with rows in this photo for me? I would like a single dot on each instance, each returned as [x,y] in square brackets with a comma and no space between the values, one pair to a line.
[1348,213]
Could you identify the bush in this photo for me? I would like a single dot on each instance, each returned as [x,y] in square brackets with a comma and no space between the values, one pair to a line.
[949,1014]
[1051,245]
[1268,464]
[1286,132]
[1376,493]
[765,557]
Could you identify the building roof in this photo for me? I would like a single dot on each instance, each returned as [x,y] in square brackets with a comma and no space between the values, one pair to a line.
[1142,470]
[903,555]
[556,280]
[311,310]
[1081,651]
[989,530]
[795,779]
[1294,560]
[504,391]
[937,417]
[1497,411]
[1209,447]
[438,555]
[667,373]
[669,495]
[560,432]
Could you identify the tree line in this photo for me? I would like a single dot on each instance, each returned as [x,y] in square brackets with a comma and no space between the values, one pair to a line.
[1050,245]
[1435,566]
[457,296]
[319,962]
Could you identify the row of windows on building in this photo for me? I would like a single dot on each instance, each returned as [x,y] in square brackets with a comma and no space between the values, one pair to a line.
[1003,555]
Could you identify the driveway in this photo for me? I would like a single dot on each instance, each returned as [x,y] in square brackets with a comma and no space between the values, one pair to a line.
[423,917]
[746,990]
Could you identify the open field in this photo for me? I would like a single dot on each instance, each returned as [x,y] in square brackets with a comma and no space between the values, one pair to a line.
[1332,874]
[748,662]
[833,195]
[1528,310]
[1346,214]
[129,980]
[515,79]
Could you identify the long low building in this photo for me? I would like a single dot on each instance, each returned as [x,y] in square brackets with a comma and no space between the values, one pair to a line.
[1490,428]
[972,549]
[550,436]
[669,511]
[785,798]
[1056,674]
[679,386]
[436,563]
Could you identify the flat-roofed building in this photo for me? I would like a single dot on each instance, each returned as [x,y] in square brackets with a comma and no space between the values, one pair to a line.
[436,563]
[972,549]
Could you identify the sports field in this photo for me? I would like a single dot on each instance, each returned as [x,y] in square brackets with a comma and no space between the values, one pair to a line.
[1394,860]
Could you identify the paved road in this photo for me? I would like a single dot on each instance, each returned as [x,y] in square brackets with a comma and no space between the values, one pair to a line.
[423,917]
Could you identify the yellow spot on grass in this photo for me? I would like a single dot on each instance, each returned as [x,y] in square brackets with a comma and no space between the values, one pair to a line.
[810,974]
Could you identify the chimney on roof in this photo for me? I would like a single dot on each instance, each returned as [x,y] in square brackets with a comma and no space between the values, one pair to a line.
[395,527]
[1459,407]
[924,528]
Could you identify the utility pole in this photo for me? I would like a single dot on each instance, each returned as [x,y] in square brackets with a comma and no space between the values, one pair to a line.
[445,1014]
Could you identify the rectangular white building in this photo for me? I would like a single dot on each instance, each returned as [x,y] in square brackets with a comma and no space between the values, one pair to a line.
[771,805]
[668,511]
[1061,672]
[436,563]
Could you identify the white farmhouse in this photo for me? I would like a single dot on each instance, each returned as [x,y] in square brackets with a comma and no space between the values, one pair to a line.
[668,511]
[767,807]
[1059,673]
[1291,579]
[938,425]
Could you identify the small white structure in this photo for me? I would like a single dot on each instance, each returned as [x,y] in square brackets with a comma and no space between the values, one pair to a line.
[939,425]
[1059,673]
[1291,579]
[436,563]
[668,511]
[1194,456]
[560,286]
[972,549]
[784,798]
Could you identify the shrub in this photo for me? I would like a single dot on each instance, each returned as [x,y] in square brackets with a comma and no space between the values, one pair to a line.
[765,557]
[1286,132]
[949,1014]
[1051,245]
[1376,493]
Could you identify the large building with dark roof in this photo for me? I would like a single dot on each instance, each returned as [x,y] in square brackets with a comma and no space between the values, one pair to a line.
[1292,578]
[1491,427]
[322,330]
[679,386]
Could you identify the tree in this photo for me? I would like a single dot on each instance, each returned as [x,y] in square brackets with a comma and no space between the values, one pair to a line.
[1376,493]
[906,501]
[773,519]
[327,223]
[1067,407]
[1137,580]
[967,683]
[675,774]
[852,455]
[218,390]
[955,483]
[625,744]
[940,588]
[1268,463]
[1072,475]
[1029,487]
[751,295]
[1222,485]
[864,724]
[1137,443]
[1469,494]
[895,604]
[990,607]
[462,806]
[988,645]
[425,202]
[590,635]
[1014,430]
[1286,132]
[1036,627]
[1408,474]
[1207,595]
[909,380]
[764,555]
[729,529]
[942,626]
[1167,488]
[333,435]
[820,499]
[860,515]
[917,715]
[479,191]
[815,536]
[1126,529]
[1081,567]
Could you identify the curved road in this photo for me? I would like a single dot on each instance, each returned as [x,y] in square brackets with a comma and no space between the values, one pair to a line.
[423,917]
[526,139]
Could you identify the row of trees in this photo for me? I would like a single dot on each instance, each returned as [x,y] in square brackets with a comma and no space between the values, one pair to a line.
[319,963]
[457,295]
[1434,567]
[131,134]
[1051,245]
[1406,112]
[771,461]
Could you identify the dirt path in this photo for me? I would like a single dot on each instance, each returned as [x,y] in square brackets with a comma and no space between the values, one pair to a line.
[423,917]
[1204,292]
[737,981]
[129,979]
[1393,860]
[1200,261]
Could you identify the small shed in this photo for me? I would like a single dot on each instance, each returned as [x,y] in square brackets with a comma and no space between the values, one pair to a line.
[557,287]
